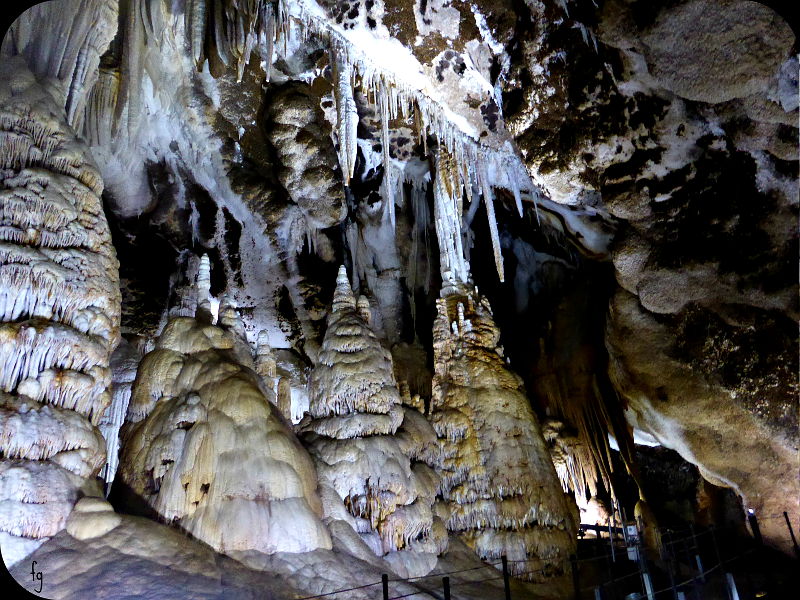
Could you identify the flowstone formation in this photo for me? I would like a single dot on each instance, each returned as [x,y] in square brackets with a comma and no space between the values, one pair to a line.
[498,481]
[570,157]
[355,410]
[59,314]
[208,450]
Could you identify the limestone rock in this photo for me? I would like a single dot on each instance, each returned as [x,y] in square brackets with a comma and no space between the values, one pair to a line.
[92,518]
[685,396]
[713,51]
[355,408]
[306,155]
[59,311]
[497,476]
[209,451]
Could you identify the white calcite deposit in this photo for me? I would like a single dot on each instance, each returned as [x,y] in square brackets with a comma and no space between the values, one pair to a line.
[209,451]
[355,410]
[59,314]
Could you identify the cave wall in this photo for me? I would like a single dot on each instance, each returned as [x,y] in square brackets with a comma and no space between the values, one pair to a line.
[280,141]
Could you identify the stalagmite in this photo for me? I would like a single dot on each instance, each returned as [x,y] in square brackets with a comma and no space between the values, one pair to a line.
[212,453]
[204,291]
[59,313]
[497,476]
[284,398]
[364,309]
[355,410]
[229,318]
[265,361]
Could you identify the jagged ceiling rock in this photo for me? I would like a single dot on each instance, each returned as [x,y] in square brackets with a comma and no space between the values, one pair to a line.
[722,394]
[717,51]
[674,118]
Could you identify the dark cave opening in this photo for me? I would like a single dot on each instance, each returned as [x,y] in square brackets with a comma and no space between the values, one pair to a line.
[146,262]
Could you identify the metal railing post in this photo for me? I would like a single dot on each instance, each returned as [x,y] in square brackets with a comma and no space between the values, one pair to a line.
[506,580]
[575,577]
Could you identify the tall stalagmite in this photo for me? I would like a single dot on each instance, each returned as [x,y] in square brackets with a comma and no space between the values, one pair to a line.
[208,450]
[59,314]
[497,477]
[355,411]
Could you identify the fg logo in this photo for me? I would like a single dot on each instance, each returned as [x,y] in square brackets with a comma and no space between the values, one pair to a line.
[36,575]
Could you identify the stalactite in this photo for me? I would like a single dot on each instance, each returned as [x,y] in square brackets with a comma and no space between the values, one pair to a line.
[346,116]
[488,199]
[401,92]
[307,158]
[454,267]
[124,363]
[65,45]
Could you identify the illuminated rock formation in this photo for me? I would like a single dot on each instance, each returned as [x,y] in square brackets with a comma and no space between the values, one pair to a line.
[355,410]
[210,452]
[565,154]
[59,314]
[497,477]
[124,363]
[295,126]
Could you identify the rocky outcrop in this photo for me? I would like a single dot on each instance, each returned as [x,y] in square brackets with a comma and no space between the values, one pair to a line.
[704,389]
[716,51]
[498,480]
[680,120]
[294,124]
[59,314]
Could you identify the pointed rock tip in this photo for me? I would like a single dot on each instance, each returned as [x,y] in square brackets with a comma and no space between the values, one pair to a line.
[344,293]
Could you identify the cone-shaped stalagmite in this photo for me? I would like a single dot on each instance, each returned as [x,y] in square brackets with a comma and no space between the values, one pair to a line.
[355,409]
[497,477]
[207,449]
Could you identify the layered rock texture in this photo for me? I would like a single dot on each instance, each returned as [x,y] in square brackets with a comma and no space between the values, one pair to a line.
[497,477]
[208,450]
[355,411]
[59,314]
